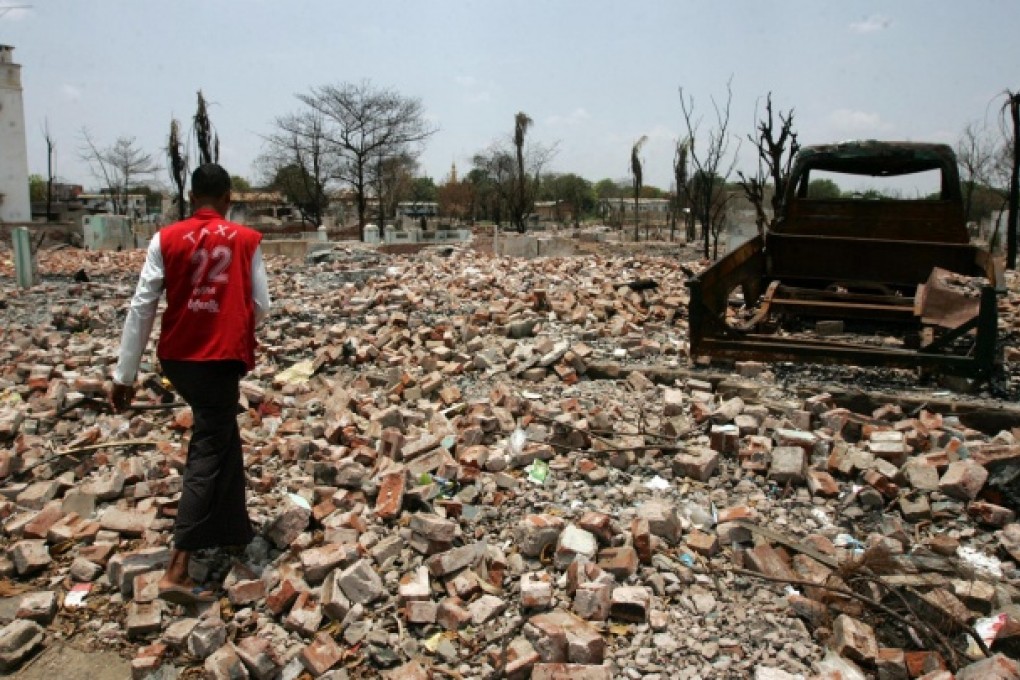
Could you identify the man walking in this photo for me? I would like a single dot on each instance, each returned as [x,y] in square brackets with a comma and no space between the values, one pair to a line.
[216,292]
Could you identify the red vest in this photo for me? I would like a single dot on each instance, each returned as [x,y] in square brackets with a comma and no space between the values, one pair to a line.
[210,313]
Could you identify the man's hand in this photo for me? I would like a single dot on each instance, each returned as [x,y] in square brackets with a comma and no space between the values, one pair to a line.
[121,396]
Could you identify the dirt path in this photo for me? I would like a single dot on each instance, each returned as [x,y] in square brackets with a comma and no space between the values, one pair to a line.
[62,661]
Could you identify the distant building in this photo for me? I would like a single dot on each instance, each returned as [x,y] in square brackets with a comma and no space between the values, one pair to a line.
[62,191]
[555,211]
[646,206]
[255,207]
[344,204]
[64,202]
[417,209]
[132,205]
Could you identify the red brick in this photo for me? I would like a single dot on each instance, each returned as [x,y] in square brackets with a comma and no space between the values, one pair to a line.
[702,543]
[536,589]
[246,592]
[642,539]
[854,639]
[390,498]
[559,637]
[990,514]
[412,670]
[599,524]
[891,663]
[821,483]
[736,512]
[921,662]
[321,654]
[963,480]
[451,615]
[283,597]
[621,562]
[766,560]
[40,525]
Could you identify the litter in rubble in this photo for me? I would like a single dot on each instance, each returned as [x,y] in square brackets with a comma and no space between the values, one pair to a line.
[847,541]
[657,483]
[10,397]
[699,517]
[988,629]
[76,595]
[296,374]
[538,472]
[432,642]
[987,564]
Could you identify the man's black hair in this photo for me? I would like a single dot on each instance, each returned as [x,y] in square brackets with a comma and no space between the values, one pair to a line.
[210,181]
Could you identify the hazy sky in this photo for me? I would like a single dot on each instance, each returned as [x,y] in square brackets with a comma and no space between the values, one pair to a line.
[593,75]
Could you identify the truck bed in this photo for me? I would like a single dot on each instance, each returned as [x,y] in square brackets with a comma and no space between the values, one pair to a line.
[872,285]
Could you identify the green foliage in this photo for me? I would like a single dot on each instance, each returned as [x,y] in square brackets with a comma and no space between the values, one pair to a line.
[609,188]
[37,188]
[423,189]
[300,188]
[571,188]
[823,189]
[238,183]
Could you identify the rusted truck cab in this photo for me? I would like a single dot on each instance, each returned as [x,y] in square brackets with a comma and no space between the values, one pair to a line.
[897,278]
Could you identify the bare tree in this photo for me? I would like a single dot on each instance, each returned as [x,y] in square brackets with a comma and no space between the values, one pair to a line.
[712,169]
[296,162]
[177,164]
[1012,106]
[118,166]
[393,177]
[513,178]
[637,176]
[681,199]
[522,201]
[207,139]
[49,171]
[496,169]
[363,123]
[975,154]
[775,159]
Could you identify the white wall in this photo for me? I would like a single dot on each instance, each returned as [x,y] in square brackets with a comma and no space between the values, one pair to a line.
[15,206]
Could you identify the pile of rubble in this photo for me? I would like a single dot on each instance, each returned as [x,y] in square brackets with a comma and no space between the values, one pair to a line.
[465,467]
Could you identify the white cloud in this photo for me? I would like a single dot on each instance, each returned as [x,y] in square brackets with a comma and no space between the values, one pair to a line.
[849,121]
[573,118]
[871,24]
[70,92]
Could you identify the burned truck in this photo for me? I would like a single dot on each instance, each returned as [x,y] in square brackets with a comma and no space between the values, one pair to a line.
[857,278]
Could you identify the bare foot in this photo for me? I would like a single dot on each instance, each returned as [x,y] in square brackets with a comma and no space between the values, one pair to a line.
[184,593]
[167,582]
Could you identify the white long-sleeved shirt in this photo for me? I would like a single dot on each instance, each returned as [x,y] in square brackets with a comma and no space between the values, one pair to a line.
[142,312]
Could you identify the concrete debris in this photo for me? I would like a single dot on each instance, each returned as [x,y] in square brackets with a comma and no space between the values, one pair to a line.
[481,467]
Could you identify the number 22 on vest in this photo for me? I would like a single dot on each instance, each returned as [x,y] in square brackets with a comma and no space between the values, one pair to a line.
[211,267]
